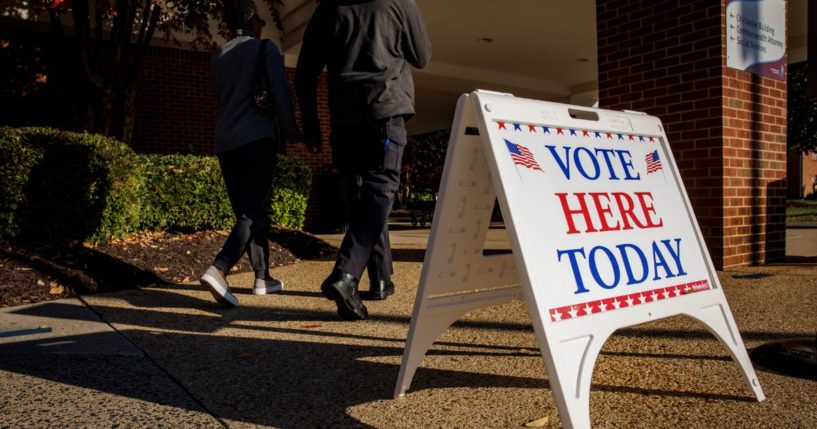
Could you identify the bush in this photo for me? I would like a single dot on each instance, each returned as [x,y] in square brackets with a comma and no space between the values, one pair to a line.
[60,186]
[186,192]
[423,163]
[290,192]
[63,186]
[804,210]
[16,162]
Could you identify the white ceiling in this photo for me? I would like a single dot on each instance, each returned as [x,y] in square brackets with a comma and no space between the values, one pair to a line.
[543,49]
[539,49]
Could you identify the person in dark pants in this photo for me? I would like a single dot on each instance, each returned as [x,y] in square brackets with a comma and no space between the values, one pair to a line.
[247,140]
[368,48]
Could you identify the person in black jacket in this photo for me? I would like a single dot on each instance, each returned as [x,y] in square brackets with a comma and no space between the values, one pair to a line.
[368,48]
[247,143]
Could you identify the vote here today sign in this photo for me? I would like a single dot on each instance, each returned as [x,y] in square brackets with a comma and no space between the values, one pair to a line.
[604,215]
[600,226]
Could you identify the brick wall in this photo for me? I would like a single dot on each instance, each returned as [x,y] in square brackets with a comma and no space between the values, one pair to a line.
[175,108]
[726,127]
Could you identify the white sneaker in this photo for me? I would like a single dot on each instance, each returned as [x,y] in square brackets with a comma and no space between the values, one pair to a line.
[263,287]
[218,287]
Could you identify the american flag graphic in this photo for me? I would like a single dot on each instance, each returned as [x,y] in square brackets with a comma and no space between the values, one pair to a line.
[522,156]
[653,162]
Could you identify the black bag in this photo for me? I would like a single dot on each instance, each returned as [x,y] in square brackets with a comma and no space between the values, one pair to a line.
[261,94]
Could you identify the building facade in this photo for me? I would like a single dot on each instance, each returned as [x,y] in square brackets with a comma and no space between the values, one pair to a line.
[726,127]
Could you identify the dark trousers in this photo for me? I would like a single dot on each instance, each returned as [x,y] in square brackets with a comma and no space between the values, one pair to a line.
[248,172]
[369,157]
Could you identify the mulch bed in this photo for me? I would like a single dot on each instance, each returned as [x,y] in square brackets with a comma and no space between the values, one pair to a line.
[35,274]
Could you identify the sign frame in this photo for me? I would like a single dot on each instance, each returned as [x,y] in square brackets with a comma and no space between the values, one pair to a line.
[457,277]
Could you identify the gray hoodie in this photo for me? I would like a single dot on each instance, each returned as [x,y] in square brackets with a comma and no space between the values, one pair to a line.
[235,66]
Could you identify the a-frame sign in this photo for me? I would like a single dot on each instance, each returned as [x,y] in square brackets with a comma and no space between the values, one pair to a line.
[601,229]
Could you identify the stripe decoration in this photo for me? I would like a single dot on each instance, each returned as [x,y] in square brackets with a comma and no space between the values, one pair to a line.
[623,301]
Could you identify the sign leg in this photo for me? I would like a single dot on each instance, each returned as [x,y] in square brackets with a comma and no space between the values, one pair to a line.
[569,361]
[424,329]
[718,319]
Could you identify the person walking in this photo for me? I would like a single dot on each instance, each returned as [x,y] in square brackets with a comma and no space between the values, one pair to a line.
[368,48]
[246,144]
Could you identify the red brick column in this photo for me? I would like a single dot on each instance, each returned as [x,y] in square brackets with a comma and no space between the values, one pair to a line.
[175,104]
[727,128]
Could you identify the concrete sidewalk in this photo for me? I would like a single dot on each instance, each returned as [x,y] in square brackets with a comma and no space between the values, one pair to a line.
[176,359]
[63,366]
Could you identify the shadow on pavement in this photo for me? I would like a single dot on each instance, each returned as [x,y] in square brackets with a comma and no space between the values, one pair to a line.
[211,317]
[282,383]
[408,255]
[258,381]
[302,376]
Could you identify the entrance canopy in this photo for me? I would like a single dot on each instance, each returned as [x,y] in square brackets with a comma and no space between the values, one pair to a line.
[530,48]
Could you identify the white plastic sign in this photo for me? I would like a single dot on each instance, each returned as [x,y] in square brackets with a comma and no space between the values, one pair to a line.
[602,233]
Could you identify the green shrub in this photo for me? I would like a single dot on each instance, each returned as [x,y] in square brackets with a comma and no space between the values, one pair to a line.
[16,162]
[287,208]
[64,186]
[186,192]
[801,210]
[423,162]
[290,191]
[60,186]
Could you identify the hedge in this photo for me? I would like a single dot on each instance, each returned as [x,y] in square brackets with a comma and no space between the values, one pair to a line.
[290,191]
[186,192]
[16,161]
[61,186]
[183,192]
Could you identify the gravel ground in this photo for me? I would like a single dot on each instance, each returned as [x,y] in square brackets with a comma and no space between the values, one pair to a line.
[284,360]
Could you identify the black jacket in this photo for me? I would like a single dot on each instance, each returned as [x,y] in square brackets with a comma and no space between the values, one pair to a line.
[368,48]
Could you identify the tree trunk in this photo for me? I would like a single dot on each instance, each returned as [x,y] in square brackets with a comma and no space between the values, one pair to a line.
[129,114]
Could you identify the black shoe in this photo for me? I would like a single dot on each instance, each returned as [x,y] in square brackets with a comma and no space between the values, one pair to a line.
[379,290]
[342,288]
